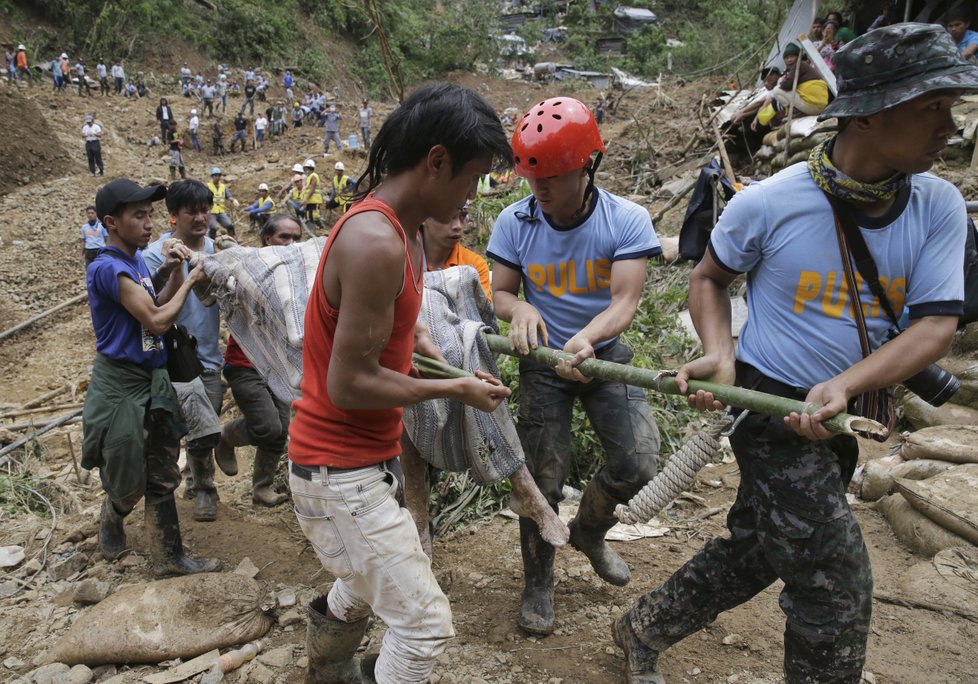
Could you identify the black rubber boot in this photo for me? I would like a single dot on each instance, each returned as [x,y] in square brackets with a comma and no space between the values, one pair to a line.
[594,518]
[205,494]
[266,463]
[111,532]
[640,660]
[331,646]
[233,434]
[537,604]
[166,545]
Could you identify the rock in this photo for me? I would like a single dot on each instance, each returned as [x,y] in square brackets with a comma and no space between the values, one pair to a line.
[277,657]
[289,617]
[261,675]
[91,591]
[66,567]
[103,672]
[8,589]
[731,639]
[286,598]
[733,679]
[302,663]
[11,556]
[82,532]
[13,663]
[247,568]
[50,674]
[79,674]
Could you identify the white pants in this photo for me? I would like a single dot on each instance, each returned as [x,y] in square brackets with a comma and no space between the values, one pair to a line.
[362,536]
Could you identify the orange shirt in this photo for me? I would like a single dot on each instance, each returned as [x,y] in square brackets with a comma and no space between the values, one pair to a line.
[323,433]
[462,256]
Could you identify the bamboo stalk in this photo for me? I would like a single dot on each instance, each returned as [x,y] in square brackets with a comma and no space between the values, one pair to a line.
[28,424]
[63,420]
[659,381]
[40,409]
[34,319]
[47,396]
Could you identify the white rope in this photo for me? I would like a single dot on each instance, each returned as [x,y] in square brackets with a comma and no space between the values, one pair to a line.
[677,476]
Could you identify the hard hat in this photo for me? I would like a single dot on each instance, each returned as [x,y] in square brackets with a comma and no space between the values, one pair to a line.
[309,164]
[339,166]
[297,168]
[215,171]
[554,137]
[21,47]
[263,186]
[64,55]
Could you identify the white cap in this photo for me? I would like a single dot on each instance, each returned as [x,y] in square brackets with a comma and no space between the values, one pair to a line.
[263,186]
[332,108]
[339,166]
[64,55]
[309,164]
[297,168]
[193,111]
[21,47]
[88,118]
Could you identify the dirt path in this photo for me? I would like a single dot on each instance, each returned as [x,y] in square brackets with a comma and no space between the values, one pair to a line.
[479,567]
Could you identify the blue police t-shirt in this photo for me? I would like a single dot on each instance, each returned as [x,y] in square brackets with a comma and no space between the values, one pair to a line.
[203,322]
[800,327]
[118,335]
[970,38]
[567,271]
[94,234]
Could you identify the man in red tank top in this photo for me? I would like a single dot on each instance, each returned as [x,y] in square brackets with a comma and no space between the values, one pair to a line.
[360,331]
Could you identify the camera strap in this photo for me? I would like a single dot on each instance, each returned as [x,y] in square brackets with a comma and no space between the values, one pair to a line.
[853,246]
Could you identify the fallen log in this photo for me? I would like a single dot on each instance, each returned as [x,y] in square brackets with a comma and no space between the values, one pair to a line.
[44,314]
[663,381]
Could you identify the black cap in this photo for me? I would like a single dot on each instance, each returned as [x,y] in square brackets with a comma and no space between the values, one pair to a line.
[124,191]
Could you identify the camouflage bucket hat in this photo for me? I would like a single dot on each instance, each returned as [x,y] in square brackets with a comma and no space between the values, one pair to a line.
[894,64]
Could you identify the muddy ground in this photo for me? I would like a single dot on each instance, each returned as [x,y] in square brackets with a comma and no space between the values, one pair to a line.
[478,566]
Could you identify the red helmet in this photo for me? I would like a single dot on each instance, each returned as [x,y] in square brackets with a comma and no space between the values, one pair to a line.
[554,137]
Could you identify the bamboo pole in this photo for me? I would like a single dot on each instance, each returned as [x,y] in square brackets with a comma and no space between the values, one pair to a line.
[727,166]
[47,396]
[16,413]
[63,420]
[28,424]
[674,201]
[44,314]
[659,381]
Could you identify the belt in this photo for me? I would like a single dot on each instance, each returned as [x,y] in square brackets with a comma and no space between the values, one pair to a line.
[751,378]
[306,472]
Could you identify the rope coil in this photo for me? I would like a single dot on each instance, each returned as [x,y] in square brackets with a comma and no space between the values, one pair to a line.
[677,476]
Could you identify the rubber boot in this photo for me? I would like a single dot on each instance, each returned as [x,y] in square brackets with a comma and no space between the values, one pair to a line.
[266,463]
[205,495]
[587,530]
[111,532]
[640,660]
[166,546]
[331,646]
[233,434]
[536,614]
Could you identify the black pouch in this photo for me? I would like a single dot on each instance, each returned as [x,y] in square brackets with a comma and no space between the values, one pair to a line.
[182,363]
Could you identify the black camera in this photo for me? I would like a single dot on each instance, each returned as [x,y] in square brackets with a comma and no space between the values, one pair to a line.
[934,384]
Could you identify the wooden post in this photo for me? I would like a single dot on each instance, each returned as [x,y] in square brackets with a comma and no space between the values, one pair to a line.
[727,166]
[34,319]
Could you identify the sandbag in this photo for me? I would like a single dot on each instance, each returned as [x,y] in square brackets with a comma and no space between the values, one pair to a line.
[950,579]
[955,443]
[920,414]
[880,474]
[181,617]
[949,499]
[915,530]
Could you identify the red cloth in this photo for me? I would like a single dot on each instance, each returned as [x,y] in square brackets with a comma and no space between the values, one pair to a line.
[233,356]
[322,433]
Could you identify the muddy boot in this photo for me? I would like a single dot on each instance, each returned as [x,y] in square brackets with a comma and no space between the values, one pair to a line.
[593,520]
[640,660]
[537,604]
[111,532]
[331,647]
[233,434]
[165,545]
[266,463]
[173,172]
[205,495]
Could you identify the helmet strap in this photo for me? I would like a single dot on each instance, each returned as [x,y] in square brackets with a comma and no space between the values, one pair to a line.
[591,170]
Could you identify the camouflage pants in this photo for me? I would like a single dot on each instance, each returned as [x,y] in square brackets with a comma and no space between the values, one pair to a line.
[791,522]
[620,415]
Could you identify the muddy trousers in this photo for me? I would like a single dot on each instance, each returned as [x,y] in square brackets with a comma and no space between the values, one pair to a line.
[366,539]
[790,522]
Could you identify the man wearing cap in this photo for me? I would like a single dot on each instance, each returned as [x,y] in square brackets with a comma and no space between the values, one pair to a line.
[292,193]
[579,253]
[332,128]
[188,203]
[193,125]
[131,420]
[92,133]
[312,192]
[20,63]
[791,520]
[218,212]
[261,123]
[342,189]
[259,210]
[809,97]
